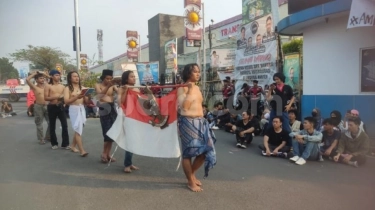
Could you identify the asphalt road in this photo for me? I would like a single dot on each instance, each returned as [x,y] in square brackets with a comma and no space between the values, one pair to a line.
[34,176]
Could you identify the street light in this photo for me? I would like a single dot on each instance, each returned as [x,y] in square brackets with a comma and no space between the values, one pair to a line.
[78,44]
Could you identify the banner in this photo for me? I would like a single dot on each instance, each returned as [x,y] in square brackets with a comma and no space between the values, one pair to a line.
[292,71]
[193,43]
[223,74]
[170,50]
[221,58]
[132,42]
[362,13]
[147,126]
[23,71]
[83,63]
[193,20]
[368,70]
[148,72]
[256,52]
[229,30]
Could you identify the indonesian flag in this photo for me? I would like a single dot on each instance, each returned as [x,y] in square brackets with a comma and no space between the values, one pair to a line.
[147,126]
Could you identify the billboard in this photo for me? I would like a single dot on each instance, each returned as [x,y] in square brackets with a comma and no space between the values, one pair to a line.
[148,72]
[132,42]
[256,52]
[193,20]
[221,58]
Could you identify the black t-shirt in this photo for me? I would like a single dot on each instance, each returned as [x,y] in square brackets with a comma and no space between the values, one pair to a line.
[240,124]
[286,94]
[276,139]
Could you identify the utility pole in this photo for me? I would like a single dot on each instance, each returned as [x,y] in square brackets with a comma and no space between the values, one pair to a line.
[78,44]
[204,55]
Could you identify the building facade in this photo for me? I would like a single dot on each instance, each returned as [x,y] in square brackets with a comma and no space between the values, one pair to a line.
[332,60]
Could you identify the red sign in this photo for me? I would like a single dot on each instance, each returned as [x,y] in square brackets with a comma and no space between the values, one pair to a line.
[12,82]
[132,42]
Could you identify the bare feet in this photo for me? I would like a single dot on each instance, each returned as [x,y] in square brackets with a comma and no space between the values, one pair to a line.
[112,159]
[133,167]
[104,159]
[74,149]
[84,154]
[127,170]
[195,188]
[197,182]
[42,142]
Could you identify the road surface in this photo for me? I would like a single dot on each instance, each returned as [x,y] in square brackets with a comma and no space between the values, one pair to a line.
[34,176]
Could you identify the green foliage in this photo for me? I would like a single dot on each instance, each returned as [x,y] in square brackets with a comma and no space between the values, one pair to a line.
[46,57]
[7,71]
[89,80]
[294,46]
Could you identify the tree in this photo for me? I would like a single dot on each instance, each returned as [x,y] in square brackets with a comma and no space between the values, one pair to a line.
[295,46]
[7,71]
[45,57]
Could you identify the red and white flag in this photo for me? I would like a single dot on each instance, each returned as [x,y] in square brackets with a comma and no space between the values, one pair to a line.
[147,126]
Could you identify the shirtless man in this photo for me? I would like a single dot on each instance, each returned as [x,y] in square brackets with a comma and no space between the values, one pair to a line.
[107,110]
[54,93]
[40,106]
[77,112]
[200,143]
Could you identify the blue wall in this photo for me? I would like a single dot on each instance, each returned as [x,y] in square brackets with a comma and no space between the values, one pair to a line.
[365,104]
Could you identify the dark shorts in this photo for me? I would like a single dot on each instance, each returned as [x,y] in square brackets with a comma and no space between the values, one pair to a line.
[108,115]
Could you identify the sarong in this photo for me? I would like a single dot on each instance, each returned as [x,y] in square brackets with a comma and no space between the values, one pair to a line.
[77,114]
[197,139]
[108,115]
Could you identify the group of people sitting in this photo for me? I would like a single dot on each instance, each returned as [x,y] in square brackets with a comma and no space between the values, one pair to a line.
[341,140]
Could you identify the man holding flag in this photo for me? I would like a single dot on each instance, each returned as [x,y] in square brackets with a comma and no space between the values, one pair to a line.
[196,137]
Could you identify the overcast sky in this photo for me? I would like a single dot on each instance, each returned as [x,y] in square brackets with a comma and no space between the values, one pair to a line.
[49,22]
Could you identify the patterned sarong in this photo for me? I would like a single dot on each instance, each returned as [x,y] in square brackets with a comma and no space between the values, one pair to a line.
[108,115]
[197,139]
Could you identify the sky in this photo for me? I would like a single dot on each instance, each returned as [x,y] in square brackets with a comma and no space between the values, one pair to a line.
[49,22]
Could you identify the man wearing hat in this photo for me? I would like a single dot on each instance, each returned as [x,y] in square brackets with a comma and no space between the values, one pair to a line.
[54,93]
[147,75]
[107,111]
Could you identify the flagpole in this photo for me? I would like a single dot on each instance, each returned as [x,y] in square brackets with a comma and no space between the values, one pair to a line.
[140,48]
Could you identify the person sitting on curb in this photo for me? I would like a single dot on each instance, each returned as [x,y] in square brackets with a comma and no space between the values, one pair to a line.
[275,139]
[6,109]
[306,142]
[294,124]
[330,138]
[244,130]
[353,145]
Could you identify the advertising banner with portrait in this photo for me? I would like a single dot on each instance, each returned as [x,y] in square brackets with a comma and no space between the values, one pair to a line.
[292,70]
[368,70]
[256,52]
[170,53]
[148,72]
[221,58]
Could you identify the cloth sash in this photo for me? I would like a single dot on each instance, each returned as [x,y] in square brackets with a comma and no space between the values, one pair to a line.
[197,139]
[77,114]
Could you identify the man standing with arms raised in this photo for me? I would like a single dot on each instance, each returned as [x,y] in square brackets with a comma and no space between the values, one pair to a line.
[54,93]
[107,110]
[40,106]
[197,138]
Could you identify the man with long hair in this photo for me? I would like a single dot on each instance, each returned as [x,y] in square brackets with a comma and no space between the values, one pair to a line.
[54,93]
[197,138]
[107,111]
[77,112]
[40,105]
[127,79]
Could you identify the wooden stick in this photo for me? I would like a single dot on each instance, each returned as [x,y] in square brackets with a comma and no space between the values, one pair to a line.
[159,86]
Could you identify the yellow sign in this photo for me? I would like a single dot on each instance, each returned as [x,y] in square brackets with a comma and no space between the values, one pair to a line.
[132,44]
[59,67]
[193,17]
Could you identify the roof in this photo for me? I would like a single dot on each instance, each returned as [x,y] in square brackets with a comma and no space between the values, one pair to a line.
[294,24]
